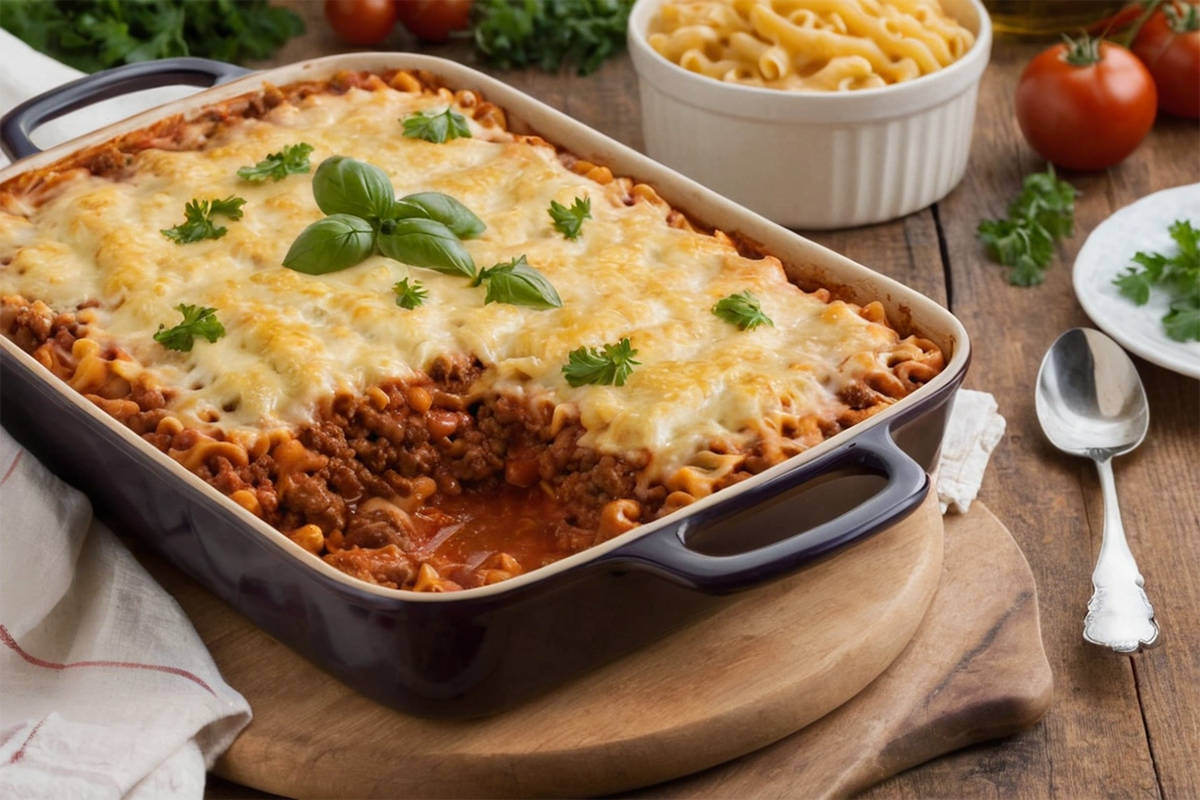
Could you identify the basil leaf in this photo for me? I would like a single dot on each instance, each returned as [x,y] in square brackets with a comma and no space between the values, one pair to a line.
[425,243]
[334,243]
[518,284]
[344,185]
[444,209]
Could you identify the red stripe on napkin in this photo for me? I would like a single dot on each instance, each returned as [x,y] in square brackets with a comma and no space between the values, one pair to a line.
[7,639]
[12,467]
[17,756]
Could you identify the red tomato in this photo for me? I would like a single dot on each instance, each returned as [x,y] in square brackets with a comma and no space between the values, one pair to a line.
[361,22]
[1085,115]
[433,20]
[1169,45]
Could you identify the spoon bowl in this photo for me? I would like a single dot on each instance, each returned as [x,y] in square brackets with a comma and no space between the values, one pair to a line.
[1089,396]
[1091,403]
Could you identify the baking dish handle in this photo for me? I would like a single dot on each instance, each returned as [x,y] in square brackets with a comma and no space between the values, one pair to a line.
[666,551]
[18,124]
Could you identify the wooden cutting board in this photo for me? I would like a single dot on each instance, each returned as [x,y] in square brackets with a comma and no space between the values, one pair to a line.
[771,663]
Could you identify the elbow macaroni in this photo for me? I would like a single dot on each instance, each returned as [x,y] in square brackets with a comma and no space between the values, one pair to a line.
[812,45]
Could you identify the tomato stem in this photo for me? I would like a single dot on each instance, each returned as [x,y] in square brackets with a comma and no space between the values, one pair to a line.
[1126,39]
[1082,51]
[1182,17]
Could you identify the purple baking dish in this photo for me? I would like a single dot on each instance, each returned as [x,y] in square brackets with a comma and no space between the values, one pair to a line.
[477,651]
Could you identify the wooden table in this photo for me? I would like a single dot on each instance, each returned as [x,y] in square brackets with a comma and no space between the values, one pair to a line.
[1120,726]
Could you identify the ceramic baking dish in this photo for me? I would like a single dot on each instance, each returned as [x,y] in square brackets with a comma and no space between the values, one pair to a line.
[815,159]
[476,651]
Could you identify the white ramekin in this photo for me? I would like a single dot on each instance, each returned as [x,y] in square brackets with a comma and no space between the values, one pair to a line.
[815,159]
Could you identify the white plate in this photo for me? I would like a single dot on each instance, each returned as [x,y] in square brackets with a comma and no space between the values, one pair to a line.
[1109,249]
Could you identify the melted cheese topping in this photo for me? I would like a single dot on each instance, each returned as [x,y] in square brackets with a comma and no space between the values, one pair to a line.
[294,338]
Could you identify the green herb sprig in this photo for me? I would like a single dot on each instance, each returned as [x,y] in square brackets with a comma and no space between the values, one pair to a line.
[569,221]
[423,229]
[410,295]
[550,34]
[197,322]
[198,222]
[436,127]
[1043,213]
[1179,274]
[92,35]
[607,366]
[743,310]
[291,160]
[516,283]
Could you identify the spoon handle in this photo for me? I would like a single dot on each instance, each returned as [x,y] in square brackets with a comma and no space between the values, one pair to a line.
[1119,614]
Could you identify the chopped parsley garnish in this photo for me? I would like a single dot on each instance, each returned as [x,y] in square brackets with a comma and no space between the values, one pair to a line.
[569,221]
[410,295]
[742,309]
[1043,213]
[1178,274]
[197,321]
[291,160]
[199,224]
[607,366]
[436,128]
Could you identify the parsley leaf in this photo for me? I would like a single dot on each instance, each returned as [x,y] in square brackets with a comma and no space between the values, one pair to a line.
[1043,213]
[608,366]
[410,296]
[1178,274]
[550,33]
[743,310]
[197,321]
[436,128]
[199,224]
[291,160]
[569,221]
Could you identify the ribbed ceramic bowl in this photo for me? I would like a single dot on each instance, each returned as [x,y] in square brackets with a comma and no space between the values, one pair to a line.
[815,159]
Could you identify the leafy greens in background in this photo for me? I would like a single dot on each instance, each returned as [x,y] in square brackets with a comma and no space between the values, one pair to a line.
[1043,213]
[550,33]
[92,35]
[1178,274]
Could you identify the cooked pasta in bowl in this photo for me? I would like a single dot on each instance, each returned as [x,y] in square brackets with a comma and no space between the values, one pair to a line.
[815,113]
[809,45]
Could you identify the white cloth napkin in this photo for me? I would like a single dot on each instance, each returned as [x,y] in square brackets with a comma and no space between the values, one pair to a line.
[972,433]
[105,688]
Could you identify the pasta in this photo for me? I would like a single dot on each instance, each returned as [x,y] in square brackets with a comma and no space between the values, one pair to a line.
[809,45]
[436,448]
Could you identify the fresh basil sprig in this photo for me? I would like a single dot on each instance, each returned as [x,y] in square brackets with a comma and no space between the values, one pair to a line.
[421,229]
[441,208]
[345,185]
[334,243]
[436,127]
[518,284]
[425,243]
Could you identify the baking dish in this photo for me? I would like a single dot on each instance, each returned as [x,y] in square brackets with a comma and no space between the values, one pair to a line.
[815,159]
[474,652]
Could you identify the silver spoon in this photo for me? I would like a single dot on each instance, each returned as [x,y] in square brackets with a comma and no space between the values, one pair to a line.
[1091,403]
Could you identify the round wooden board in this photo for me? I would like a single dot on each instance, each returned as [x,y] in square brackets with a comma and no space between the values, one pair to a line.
[766,665]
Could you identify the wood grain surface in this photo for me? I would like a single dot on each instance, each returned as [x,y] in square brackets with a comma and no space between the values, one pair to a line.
[1121,726]
[759,669]
[974,670]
